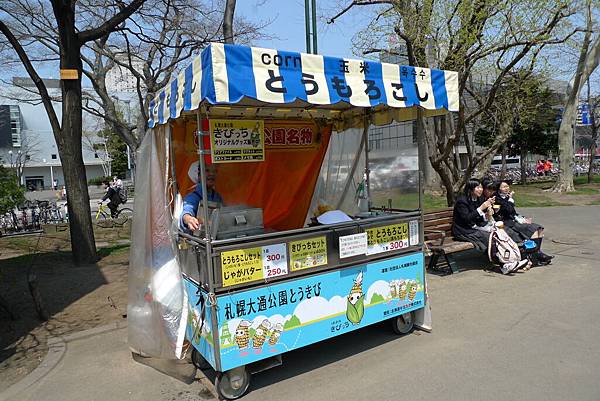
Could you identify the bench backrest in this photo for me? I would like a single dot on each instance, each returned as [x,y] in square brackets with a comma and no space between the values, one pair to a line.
[440,220]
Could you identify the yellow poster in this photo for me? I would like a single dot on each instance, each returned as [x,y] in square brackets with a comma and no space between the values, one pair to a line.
[237,141]
[241,266]
[308,253]
[387,238]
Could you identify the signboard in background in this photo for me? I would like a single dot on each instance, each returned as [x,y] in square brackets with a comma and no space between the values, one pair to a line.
[353,245]
[387,238]
[253,264]
[584,116]
[237,141]
[311,252]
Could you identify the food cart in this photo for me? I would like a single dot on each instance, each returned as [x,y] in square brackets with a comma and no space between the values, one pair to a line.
[320,232]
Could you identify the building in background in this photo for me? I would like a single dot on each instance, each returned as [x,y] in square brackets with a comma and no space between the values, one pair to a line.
[27,142]
[120,79]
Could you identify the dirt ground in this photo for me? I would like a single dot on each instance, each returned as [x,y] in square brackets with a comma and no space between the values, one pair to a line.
[76,298]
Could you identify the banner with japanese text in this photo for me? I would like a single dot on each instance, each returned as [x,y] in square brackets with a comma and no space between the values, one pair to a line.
[266,321]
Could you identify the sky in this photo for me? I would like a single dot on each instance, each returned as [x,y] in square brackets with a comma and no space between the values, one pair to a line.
[287,30]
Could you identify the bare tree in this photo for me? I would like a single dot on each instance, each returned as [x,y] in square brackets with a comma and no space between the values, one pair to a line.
[470,37]
[95,140]
[168,33]
[589,57]
[75,29]
[29,146]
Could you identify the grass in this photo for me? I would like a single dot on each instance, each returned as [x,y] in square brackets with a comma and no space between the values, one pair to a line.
[584,191]
[582,179]
[409,200]
[530,195]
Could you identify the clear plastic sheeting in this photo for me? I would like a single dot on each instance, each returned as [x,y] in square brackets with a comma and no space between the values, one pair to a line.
[341,172]
[393,164]
[157,299]
[394,167]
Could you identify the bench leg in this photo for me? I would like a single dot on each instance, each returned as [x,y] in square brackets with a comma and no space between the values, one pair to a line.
[451,263]
[433,261]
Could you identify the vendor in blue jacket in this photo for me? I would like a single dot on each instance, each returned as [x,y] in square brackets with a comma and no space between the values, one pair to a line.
[192,200]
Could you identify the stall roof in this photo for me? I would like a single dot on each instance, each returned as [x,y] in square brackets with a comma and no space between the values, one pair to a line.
[257,79]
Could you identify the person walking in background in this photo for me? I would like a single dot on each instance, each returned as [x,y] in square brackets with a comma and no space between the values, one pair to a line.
[539,167]
[548,167]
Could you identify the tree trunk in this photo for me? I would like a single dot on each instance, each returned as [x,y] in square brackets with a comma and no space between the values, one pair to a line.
[564,182]
[431,179]
[69,139]
[523,170]
[503,168]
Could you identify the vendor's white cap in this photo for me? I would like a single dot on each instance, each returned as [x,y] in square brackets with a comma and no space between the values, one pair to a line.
[333,216]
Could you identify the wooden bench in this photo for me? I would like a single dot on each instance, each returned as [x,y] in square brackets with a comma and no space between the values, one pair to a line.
[439,242]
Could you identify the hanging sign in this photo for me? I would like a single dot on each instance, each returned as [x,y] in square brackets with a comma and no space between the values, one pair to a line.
[353,245]
[291,135]
[237,141]
[387,238]
[253,264]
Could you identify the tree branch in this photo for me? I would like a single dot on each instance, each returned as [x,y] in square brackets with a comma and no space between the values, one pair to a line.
[43,91]
[108,26]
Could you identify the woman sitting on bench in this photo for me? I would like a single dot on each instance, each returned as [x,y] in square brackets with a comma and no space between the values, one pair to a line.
[519,228]
[471,216]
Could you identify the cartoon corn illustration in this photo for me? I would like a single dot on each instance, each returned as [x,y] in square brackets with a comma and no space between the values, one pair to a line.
[403,289]
[261,334]
[393,288]
[275,334]
[242,338]
[413,290]
[355,308]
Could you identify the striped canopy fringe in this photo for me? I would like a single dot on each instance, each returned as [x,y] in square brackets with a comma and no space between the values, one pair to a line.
[226,74]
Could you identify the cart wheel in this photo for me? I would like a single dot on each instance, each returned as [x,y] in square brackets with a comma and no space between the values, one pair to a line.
[403,324]
[232,384]
[199,361]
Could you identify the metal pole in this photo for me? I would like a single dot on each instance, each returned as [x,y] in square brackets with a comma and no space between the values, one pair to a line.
[421,144]
[307,24]
[366,122]
[51,177]
[204,201]
[314,26]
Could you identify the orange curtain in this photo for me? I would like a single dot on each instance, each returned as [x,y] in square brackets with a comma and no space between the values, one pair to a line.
[282,185]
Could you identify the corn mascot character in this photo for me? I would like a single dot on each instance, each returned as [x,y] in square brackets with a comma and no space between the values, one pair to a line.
[242,338]
[275,334]
[412,291]
[403,289]
[355,308]
[261,334]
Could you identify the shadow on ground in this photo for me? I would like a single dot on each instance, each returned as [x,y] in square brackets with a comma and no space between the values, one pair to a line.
[75,297]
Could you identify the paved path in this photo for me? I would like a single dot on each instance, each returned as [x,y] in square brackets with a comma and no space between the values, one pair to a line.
[533,336]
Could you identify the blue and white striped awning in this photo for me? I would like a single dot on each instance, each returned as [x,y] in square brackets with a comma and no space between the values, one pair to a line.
[249,76]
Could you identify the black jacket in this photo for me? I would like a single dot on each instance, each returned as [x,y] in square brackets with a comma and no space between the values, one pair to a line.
[466,216]
[507,210]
